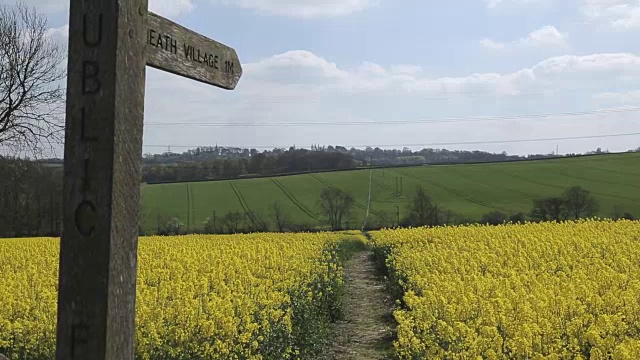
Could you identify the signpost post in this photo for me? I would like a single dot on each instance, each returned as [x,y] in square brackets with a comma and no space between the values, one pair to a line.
[110,43]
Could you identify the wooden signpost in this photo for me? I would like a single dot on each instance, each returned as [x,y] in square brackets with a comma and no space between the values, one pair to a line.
[173,48]
[110,43]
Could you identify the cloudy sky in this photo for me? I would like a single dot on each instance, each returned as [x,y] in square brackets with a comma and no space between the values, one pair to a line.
[471,74]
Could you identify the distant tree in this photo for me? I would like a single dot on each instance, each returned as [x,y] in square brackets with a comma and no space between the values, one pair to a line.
[380,220]
[518,218]
[233,221]
[257,222]
[447,217]
[30,198]
[336,205]
[619,214]
[31,98]
[212,226]
[580,203]
[494,218]
[173,227]
[142,214]
[422,211]
[280,217]
[549,209]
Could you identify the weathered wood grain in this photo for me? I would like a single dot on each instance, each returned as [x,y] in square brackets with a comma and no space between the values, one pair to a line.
[103,150]
[178,50]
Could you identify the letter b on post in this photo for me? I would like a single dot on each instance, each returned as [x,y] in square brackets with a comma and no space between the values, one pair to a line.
[91,84]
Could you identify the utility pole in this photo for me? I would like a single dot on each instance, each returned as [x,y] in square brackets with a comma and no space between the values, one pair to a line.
[188,209]
[366,217]
[398,214]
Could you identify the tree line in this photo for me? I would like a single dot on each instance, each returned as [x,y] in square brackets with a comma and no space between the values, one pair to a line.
[30,198]
[211,163]
[337,209]
[31,205]
[572,204]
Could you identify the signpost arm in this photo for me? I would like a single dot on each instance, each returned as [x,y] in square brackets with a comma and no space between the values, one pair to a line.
[103,148]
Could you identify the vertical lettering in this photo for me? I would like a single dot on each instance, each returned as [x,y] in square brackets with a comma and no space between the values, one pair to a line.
[85,32]
[174,46]
[91,84]
[167,42]
[215,62]
[151,36]
[210,60]
[85,180]
[85,217]
[83,128]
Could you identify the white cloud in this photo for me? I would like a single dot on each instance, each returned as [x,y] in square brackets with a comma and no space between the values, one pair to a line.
[404,69]
[171,8]
[545,37]
[619,14]
[369,68]
[619,98]
[491,44]
[44,6]
[300,86]
[492,4]
[295,67]
[304,67]
[60,34]
[302,8]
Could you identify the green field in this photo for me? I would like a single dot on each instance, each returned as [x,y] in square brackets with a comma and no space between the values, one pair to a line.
[470,190]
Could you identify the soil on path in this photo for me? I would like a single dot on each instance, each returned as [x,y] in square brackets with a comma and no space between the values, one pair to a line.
[367,330]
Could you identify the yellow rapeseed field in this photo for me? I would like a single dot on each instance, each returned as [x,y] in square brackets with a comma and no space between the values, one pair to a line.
[199,297]
[533,291]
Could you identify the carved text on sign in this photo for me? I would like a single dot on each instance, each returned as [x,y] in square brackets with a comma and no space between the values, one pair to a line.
[175,49]
[169,44]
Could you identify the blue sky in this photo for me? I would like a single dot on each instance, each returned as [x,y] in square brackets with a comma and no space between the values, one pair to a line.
[405,61]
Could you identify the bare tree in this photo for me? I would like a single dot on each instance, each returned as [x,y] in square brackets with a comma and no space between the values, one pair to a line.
[580,202]
[336,205]
[549,209]
[233,222]
[280,217]
[422,211]
[31,73]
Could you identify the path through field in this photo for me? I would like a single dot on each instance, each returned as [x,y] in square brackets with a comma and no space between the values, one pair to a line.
[367,329]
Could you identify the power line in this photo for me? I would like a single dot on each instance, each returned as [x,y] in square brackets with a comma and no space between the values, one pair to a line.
[403,145]
[478,119]
[416,145]
[459,96]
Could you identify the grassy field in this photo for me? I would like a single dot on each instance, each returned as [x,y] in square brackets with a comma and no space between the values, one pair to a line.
[469,190]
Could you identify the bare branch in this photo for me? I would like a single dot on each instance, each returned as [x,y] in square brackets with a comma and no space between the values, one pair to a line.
[31,74]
